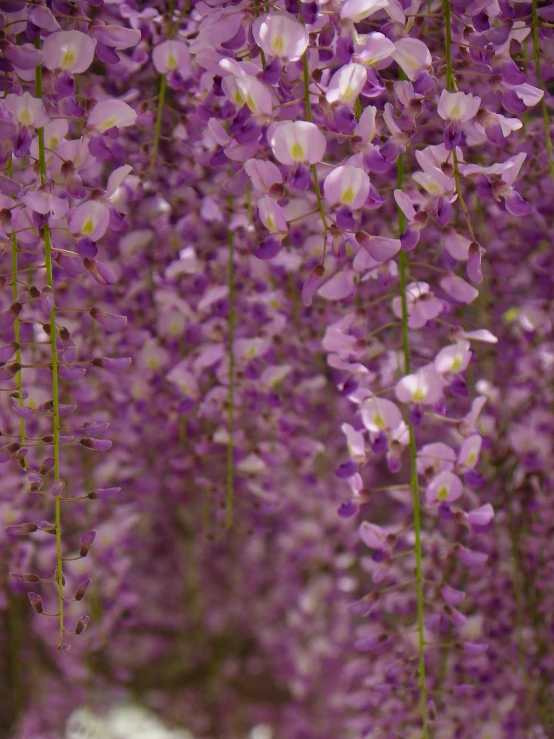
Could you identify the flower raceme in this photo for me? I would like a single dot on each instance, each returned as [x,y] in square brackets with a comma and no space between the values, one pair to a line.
[308,182]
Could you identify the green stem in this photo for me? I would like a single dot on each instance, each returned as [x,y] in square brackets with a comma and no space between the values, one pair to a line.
[171,13]
[540,83]
[231,380]
[414,483]
[16,327]
[257,13]
[450,86]
[307,100]
[314,168]
[54,358]
[158,128]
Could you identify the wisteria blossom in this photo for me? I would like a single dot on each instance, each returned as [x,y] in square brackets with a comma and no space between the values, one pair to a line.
[277,359]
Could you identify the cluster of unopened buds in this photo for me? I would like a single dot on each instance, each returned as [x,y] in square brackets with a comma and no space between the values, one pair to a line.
[54,211]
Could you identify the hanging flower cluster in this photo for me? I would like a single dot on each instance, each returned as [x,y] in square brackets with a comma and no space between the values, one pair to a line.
[296,257]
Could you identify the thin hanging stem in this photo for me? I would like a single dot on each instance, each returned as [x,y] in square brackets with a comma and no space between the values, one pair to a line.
[54,357]
[231,381]
[16,326]
[450,86]
[540,83]
[161,98]
[257,13]
[414,483]
[158,128]
[313,167]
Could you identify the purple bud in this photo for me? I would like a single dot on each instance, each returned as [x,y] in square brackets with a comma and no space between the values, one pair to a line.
[95,428]
[312,283]
[36,602]
[25,413]
[21,529]
[379,444]
[309,12]
[86,542]
[376,162]
[115,364]
[7,351]
[369,644]
[416,415]
[444,211]
[470,558]
[344,48]
[81,624]
[300,178]
[110,321]
[72,374]
[344,219]
[270,247]
[66,409]
[99,445]
[98,147]
[474,649]
[452,596]
[348,509]
[42,18]
[410,239]
[512,74]
[473,479]
[346,470]
[46,465]
[22,142]
[82,589]
[473,267]
[101,273]
[86,248]
[7,318]
[103,493]
[272,72]
[344,119]
[31,577]
[452,136]
[423,83]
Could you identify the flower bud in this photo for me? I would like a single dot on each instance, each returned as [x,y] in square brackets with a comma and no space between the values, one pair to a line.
[7,351]
[110,321]
[99,445]
[46,466]
[86,542]
[102,493]
[21,529]
[82,589]
[312,283]
[81,625]
[31,577]
[36,602]
[115,364]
